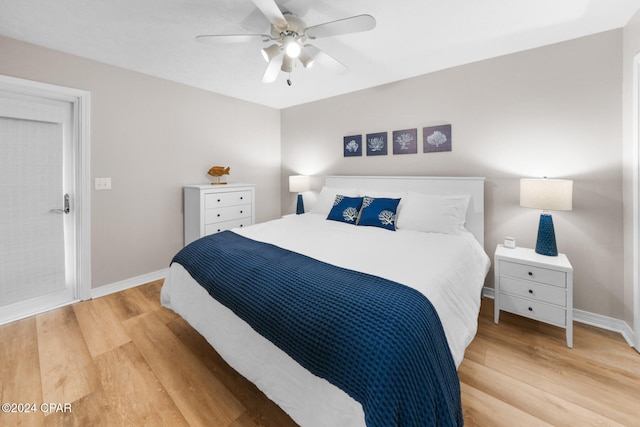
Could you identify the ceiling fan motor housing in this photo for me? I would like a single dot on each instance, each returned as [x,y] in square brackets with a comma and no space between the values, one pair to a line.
[294,28]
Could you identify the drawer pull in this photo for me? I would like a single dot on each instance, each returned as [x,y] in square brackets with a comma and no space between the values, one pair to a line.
[530,274]
[218,230]
[241,198]
[531,291]
[218,215]
[241,225]
[218,200]
[241,211]
[530,309]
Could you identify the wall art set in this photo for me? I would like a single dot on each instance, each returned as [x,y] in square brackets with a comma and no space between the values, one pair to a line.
[434,139]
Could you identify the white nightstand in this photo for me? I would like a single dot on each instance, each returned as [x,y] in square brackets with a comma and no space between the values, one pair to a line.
[536,286]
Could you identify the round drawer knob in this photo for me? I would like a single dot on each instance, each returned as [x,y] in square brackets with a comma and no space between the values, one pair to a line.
[240,225]
[218,230]
[241,198]
[218,200]
[530,291]
[530,309]
[218,215]
[530,273]
[241,211]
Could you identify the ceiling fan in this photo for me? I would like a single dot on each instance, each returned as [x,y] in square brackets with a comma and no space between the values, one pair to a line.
[290,34]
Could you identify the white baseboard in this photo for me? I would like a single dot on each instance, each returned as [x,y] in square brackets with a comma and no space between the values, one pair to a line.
[604,322]
[128,283]
[592,319]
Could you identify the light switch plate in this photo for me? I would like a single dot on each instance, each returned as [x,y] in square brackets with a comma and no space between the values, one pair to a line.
[103,183]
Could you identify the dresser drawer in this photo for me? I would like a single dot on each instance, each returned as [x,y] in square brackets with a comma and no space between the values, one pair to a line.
[533,309]
[533,290]
[535,274]
[228,213]
[231,198]
[226,225]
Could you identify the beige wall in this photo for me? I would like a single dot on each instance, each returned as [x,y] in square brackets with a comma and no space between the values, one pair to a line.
[152,136]
[631,49]
[553,111]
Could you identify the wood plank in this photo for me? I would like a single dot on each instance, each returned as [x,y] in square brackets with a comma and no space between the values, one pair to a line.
[259,409]
[133,392]
[202,399]
[20,371]
[131,303]
[67,370]
[101,328]
[151,291]
[89,410]
[529,399]
[483,410]
[528,351]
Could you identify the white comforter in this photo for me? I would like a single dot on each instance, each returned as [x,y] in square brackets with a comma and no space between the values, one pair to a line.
[449,270]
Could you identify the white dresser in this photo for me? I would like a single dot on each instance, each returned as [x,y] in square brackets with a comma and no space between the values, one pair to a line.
[536,286]
[209,209]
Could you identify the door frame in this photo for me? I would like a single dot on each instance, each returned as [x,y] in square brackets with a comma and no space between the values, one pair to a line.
[635,168]
[81,104]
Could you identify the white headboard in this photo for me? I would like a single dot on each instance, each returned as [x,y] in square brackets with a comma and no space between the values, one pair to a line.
[440,185]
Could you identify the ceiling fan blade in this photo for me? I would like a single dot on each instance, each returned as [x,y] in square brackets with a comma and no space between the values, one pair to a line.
[270,9]
[271,73]
[354,24]
[324,59]
[232,38]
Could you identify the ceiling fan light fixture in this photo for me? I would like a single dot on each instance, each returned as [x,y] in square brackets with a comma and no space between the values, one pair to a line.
[287,64]
[268,53]
[306,59]
[291,46]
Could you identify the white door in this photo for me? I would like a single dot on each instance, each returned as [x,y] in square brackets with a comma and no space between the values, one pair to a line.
[38,219]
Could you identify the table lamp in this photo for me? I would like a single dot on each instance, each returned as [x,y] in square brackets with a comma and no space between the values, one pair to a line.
[548,195]
[299,184]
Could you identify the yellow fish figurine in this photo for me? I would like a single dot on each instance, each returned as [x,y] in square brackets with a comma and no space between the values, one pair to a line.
[217,172]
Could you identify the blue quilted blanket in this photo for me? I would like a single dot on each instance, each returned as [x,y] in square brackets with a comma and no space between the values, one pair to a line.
[379,341]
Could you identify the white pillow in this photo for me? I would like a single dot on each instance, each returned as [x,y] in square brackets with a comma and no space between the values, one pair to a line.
[383,194]
[433,214]
[327,196]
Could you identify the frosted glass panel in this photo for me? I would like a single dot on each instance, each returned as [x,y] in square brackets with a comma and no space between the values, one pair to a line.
[32,261]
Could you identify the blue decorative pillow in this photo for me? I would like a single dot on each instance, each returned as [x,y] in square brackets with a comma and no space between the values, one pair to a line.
[345,209]
[379,212]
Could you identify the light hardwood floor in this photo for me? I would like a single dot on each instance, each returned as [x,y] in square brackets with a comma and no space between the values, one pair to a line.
[123,360]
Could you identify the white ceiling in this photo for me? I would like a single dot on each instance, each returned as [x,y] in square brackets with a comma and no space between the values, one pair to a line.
[412,37]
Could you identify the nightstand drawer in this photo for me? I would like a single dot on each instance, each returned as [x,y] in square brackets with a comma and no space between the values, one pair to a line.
[226,214]
[533,309]
[226,225]
[536,274]
[231,198]
[533,290]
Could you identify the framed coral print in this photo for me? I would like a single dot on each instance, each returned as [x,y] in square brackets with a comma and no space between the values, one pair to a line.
[405,141]
[377,144]
[352,146]
[436,138]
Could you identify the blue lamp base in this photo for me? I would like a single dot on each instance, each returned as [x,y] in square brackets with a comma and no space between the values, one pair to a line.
[300,206]
[546,244]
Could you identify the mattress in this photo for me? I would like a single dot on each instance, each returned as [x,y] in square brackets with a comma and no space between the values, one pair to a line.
[448,269]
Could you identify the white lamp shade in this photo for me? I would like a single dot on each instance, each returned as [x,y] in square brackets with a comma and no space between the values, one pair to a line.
[547,194]
[268,53]
[299,183]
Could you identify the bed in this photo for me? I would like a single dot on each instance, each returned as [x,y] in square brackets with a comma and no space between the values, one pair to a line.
[440,258]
